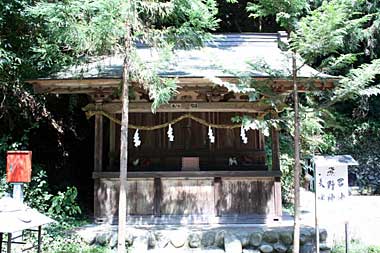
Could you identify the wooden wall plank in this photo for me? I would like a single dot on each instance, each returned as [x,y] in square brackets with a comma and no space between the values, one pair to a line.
[211,197]
[188,197]
[242,196]
[140,198]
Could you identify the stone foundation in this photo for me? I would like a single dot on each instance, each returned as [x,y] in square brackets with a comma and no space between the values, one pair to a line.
[211,240]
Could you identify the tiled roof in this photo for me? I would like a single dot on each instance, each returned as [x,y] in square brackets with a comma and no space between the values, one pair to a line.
[226,55]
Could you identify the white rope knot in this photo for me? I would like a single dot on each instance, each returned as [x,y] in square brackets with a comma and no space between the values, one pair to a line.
[243,135]
[211,135]
[136,139]
[170,133]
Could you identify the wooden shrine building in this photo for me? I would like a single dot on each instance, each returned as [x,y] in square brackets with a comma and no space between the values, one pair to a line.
[202,168]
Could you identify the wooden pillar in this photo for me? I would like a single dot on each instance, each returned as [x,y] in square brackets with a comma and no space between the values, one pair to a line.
[157,197]
[98,143]
[39,239]
[1,242]
[277,198]
[275,145]
[276,167]
[218,196]
[9,243]
[112,140]
[275,149]
[98,159]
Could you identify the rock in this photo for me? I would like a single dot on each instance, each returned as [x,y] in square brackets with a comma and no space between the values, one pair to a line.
[103,239]
[255,239]
[305,236]
[161,240]
[270,236]
[232,244]
[178,239]
[322,235]
[194,240]
[308,248]
[88,237]
[211,250]
[279,247]
[208,239]
[159,250]
[129,238]
[286,237]
[266,248]
[244,237]
[113,240]
[140,244]
[199,250]
[250,251]
[219,238]
[152,242]
[290,249]
[324,247]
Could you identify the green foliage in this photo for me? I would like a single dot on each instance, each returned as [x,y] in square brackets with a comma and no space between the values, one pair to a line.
[36,193]
[84,28]
[287,182]
[360,139]
[325,31]
[58,241]
[287,12]
[63,205]
[355,247]
[360,82]
[341,37]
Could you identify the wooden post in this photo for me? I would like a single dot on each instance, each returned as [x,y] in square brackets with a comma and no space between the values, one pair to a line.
[276,167]
[1,242]
[9,243]
[297,164]
[112,140]
[218,195]
[157,197]
[98,156]
[98,143]
[277,198]
[39,240]
[275,149]
[124,141]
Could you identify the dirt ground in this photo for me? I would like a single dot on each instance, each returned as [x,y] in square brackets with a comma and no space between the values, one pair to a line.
[361,212]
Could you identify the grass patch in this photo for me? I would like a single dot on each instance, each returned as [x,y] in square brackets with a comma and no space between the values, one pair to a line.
[356,247]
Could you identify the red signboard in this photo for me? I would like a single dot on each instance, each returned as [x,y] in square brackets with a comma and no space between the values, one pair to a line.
[19,166]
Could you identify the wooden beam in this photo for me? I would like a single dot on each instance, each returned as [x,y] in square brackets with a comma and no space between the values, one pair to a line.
[247,107]
[262,174]
[88,86]
[70,86]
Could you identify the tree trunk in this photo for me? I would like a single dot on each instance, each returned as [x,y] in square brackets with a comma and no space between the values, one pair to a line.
[124,147]
[297,166]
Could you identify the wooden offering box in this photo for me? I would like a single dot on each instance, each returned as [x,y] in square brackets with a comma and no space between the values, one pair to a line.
[19,166]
